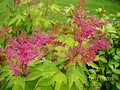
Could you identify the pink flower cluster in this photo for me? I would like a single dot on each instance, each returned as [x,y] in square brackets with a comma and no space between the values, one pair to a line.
[87,33]
[22,50]
[88,24]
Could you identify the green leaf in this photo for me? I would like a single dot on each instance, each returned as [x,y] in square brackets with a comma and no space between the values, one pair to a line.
[13,20]
[79,84]
[30,85]
[92,71]
[11,82]
[92,64]
[117,58]
[116,71]
[45,81]
[112,50]
[1,41]
[109,71]
[92,76]
[103,59]
[102,77]
[33,75]
[101,52]
[115,76]
[117,64]
[4,75]
[59,78]
[18,83]
[49,69]
[64,87]
[46,69]
[118,85]
[44,88]
[118,52]
[59,48]
[110,65]
[34,62]
[69,41]
[75,75]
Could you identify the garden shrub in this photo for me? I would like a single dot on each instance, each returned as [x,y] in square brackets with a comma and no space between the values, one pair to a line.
[79,57]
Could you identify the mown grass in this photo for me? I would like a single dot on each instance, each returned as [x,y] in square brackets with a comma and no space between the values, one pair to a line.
[110,6]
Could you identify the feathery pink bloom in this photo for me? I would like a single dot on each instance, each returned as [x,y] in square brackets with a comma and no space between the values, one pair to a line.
[23,49]
[87,28]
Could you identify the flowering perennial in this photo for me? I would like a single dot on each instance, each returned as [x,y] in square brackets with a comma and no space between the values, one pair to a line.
[90,40]
[22,50]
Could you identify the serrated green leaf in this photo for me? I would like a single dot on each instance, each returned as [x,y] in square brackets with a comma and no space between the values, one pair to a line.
[75,75]
[11,82]
[17,83]
[59,78]
[79,85]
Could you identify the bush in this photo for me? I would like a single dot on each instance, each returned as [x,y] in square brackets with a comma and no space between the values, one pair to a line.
[75,56]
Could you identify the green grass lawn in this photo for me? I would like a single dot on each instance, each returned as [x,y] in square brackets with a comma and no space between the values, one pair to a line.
[111,6]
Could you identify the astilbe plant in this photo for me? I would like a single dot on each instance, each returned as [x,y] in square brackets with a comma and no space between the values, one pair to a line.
[90,39]
[22,50]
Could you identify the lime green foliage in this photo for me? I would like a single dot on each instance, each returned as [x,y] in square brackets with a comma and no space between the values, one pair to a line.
[47,76]
[25,17]
[17,82]
[53,74]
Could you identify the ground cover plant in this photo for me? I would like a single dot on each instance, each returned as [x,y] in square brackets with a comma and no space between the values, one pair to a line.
[39,52]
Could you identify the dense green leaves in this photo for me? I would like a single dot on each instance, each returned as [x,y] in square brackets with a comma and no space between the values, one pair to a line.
[118,85]
[17,83]
[55,71]
[59,78]
[77,76]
